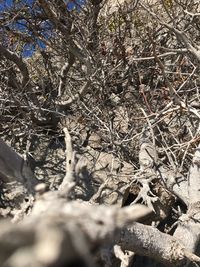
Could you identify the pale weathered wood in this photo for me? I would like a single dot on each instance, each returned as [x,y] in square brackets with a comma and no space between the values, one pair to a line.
[14,168]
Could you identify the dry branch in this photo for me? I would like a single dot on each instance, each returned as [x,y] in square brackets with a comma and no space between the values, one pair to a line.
[54,230]
[18,62]
[59,233]
[69,180]
[74,47]
[189,226]
[64,71]
[14,168]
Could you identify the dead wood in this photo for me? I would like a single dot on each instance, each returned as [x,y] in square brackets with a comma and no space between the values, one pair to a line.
[90,226]
[59,233]
[13,168]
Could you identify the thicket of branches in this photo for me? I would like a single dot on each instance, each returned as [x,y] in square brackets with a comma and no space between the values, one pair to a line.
[117,83]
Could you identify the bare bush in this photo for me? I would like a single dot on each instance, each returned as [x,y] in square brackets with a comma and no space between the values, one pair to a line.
[122,80]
